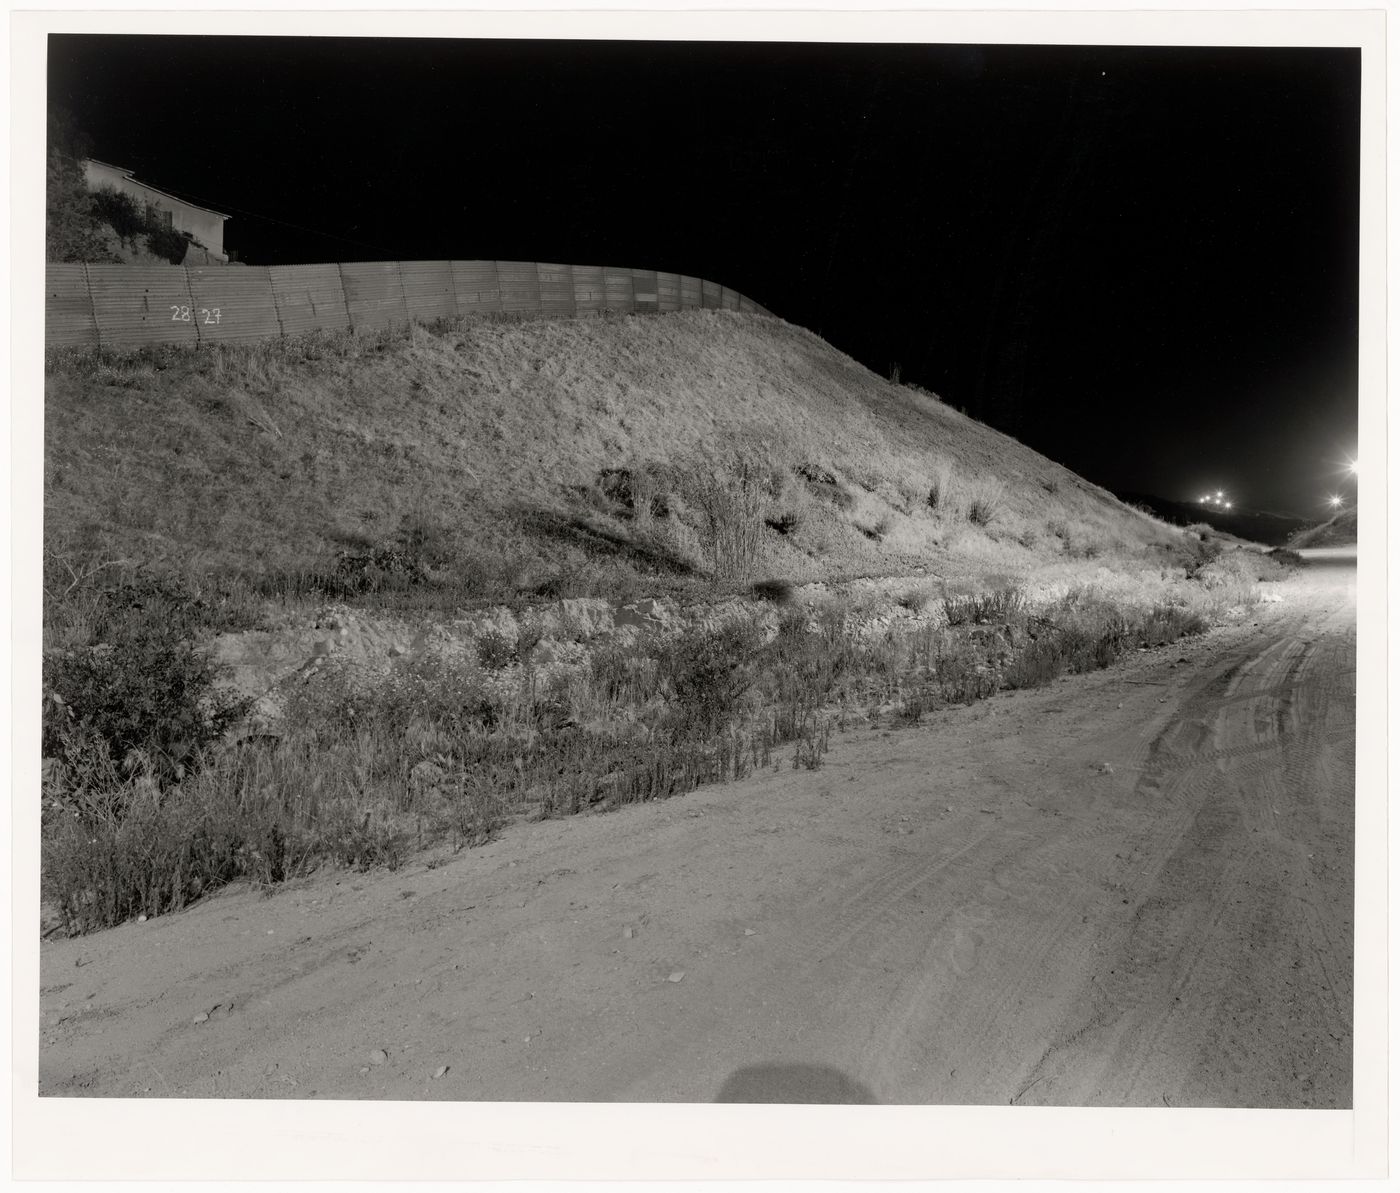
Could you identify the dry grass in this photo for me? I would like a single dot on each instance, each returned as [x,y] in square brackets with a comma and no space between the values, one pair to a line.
[375,762]
[499,460]
[269,460]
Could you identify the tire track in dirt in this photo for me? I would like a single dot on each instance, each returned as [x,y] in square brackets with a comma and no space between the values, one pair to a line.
[1143,1039]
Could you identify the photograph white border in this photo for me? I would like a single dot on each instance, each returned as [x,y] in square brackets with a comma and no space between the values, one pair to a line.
[120,1139]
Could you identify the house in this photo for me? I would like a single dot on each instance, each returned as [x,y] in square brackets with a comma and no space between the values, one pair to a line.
[204,226]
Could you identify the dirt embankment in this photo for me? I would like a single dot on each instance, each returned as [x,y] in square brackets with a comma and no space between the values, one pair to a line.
[1128,888]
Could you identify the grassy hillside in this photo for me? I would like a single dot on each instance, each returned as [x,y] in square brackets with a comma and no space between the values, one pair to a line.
[501,457]
[1338,531]
[273,574]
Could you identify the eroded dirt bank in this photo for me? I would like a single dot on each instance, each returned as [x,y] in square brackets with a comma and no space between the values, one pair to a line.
[1129,888]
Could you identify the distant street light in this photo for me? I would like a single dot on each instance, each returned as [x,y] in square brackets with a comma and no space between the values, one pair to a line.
[1352,468]
[1229,505]
[1334,501]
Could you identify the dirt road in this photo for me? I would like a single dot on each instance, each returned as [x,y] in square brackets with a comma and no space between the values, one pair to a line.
[1129,888]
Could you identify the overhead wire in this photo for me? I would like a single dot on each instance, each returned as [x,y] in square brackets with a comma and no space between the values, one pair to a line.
[193,198]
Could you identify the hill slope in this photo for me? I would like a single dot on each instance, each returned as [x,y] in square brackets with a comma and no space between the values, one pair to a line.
[1258,526]
[1339,530]
[492,447]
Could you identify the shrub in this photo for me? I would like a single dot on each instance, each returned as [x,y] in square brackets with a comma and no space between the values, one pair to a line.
[166,242]
[1287,558]
[709,670]
[494,651]
[730,503]
[641,490]
[916,600]
[71,233]
[996,607]
[780,592]
[146,698]
[374,569]
[119,211]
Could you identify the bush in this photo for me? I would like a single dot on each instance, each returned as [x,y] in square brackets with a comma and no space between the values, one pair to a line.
[1287,558]
[146,700]
[118,211]
[730,502]
[997,607]
[71,233]
[494,651]
[165,241]
[130,219]
[710,670]
[780,592]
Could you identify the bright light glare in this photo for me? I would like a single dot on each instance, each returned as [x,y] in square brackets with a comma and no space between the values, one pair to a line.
[1219,493]
[1229,505]
[1352,468]
[1335,501]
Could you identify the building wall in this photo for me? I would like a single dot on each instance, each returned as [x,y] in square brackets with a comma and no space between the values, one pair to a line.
[126,306]
[205,226]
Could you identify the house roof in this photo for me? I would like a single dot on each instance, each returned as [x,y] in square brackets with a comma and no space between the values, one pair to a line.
[125,173]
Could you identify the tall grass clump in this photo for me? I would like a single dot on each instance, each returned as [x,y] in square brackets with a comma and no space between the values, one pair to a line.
[730,501]
[985,504]
[944,496]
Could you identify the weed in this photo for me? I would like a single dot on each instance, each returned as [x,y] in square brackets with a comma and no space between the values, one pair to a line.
[785,523]
[985,505]
[942,490]
[995,607]
[916,600]
[709,670]
[494,651]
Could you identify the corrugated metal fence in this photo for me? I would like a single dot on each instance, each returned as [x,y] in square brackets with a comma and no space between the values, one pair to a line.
[124,306]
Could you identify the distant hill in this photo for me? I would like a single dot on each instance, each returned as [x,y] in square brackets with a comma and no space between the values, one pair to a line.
[1258,526]
[1337,531]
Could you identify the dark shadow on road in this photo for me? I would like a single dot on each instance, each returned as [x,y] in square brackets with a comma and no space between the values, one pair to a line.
[796,1084]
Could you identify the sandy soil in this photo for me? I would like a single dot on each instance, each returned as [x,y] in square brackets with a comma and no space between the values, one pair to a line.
[1130,888]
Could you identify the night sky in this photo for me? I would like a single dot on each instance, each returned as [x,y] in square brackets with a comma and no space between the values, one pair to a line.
[1140,261]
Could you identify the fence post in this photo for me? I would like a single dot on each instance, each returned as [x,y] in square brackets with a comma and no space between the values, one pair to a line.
[276,306]
[92,308]
[194,306]
[403,293]
[344,298]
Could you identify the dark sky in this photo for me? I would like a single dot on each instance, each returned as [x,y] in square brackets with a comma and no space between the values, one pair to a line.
[1140,261]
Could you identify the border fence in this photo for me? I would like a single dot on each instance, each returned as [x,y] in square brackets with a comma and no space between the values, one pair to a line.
[125,306]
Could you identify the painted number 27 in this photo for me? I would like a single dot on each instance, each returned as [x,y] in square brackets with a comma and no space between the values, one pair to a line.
[183,314]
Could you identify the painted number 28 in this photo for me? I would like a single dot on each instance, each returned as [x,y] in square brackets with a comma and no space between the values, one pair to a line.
[183,314]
